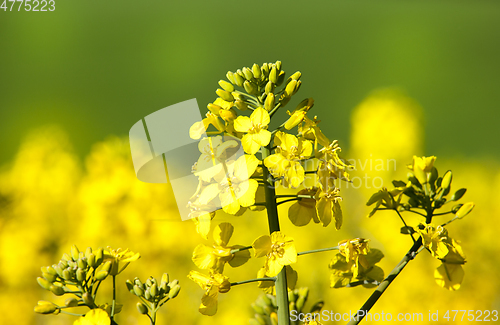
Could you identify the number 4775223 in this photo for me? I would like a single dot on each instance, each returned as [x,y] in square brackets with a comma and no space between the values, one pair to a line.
[28,5]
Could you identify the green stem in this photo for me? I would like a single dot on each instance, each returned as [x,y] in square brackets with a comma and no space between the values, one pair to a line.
[252,280]
[361,313]
[318,250]
[114,298]
[274,225]
[236,250]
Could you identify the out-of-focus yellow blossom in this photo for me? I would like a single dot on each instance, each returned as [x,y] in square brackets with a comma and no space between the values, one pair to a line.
[279,250]
[202,221]
[355,251]
[386,199]
[269,286]
[435,239]
[328,207]
[94,317]
[301,212]
[309,130]
[208,165]
[198,128]
[119,259]
[422,167]
[233,185]
[213,284]
[286,161]
[214,258]
[255,128]
[449,276]
[345,271]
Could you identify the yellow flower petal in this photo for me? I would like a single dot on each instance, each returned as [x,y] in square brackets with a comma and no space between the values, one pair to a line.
[243,124]
[202,257]
[260,116]
[262,246]
[449,276]
[246,192]
[222,233]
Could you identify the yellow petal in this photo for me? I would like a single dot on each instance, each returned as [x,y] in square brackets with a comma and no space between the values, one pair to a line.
[249,145]
[202,257]
[222,233]
[324,210]
[246,192]
[243,124]
[260,116]
[262,246]
[263,137]
[208,193]
[197,130]
[245,166]
[203,224]
[229,202]
[208,305]
[300,215]
[449,276]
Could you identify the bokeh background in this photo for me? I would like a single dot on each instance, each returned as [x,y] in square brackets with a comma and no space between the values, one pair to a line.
[390,79]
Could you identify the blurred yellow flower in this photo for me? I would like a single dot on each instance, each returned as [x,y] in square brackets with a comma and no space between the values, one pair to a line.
[309,130]
[94,317]
[279,250]
[286,161]
[212,284]
[421,167]
[355,251]
[198,128]
[301,212]
[434,238]
[331,160]
[255,128]
[119,259]
[449,276]
[269,286]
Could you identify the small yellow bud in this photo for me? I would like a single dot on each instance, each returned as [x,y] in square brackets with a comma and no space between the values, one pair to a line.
[57,290]
[226,85]
[445,183]
[224,95]
[101,275]
[45,307]
[269,103]
[142,308]
[138,291]
[107,266]
[230,77]
[99,257]
[269,87]
[91,260]
[81,275]
[248,74]
[290,87]
[273,75]
[74,252]
[256,71]
[238,79]
[87,299]
[241,105]
[82,263]
[295,76]
[174,291]
[465,210]
[281,78]
[153,290]
[250,87]
[49,277]
[43,283]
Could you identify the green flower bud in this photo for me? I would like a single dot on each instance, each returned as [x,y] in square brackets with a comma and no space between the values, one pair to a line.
[88,251]
[138,291]
[173,283]
[238,79]
[45,307]
[138,282]
[154,290]
[43,283]
[269,87]
[107,266]
[458,194]
[465,210]
[269,103]
[57,290]
[446,182]
[290,87]
[99,257]
[81,275]
[101,275]
[273,75]
[130,286]
[71,302]
[142,308]
[49,277]
[226,86]
[147,294]
[256,71]
[260,319]
[248,74]
[174,291]
[72,264]
[253,321]
[293,306]
[82,263]
[74,252]
[241,105]
[225,95]
[59,269]
[258,309]
[67,274]
[230,77]
[65,258]
[250,87]
[292,296]
[50,270]
[87,299]
[149,282]
[281,78]
[91,260]
[240,73]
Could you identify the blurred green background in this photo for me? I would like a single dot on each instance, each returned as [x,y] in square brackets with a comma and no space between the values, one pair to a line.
[93,69]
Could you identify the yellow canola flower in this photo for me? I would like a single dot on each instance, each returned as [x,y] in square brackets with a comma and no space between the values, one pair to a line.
[355,250]
[269,286]
[286,161]
[333,163]
[328,207]
[119,259]
[94,317]
[198,128]
[422,167]
[214,258]
[213,284]
[449,276]
[299,113]
[279,250]
[213,154]
[255,128]
[309,130]
[233,185]
[434,238]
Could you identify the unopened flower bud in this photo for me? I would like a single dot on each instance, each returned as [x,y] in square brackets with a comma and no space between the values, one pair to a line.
[138,291]
[49,277]
[81,275]
[43,283]
[241,105]
[230,77]
[269,87]
[248,74]
[269,103]
[250,87]
[238,79]
[153,290]
[226,95]
[281,78]
[142,308]
[446,182]
[465,210]
[273,75]
[256,71]
[45,307]
[71,302]
[101,275]
[226,86]
[91,260]
[290,87]
[57,290]
[174,291]
[87,299]
[74,252]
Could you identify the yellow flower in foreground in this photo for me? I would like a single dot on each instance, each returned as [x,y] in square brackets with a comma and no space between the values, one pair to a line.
[198,128]
[286,161]
[309,130]
[332,162]
[212,284]
[328,202]
[434,238]
[255,128]
[279,250]
[120,259]
[215,257]
[94,317]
